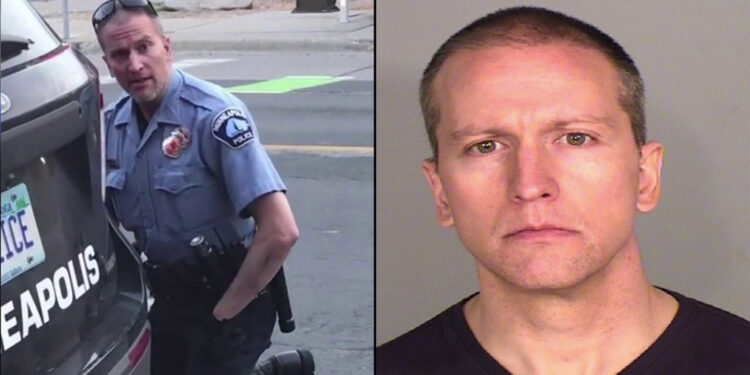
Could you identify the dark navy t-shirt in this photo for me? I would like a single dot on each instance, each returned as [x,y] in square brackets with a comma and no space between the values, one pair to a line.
[701,339]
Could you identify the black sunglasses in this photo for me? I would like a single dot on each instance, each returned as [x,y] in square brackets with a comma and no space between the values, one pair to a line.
[108,8]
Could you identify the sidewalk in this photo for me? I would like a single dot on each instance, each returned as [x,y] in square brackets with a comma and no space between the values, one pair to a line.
[230,30]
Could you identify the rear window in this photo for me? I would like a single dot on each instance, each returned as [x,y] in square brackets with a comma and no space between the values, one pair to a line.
[24,35]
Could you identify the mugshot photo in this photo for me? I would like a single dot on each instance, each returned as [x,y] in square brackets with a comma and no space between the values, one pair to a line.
[545,168]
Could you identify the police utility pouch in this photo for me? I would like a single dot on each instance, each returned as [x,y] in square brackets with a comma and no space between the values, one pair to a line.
[219,274]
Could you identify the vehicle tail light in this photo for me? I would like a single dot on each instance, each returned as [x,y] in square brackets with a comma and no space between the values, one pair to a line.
[140,348]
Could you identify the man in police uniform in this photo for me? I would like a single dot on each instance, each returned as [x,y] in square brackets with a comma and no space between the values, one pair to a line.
[183,159]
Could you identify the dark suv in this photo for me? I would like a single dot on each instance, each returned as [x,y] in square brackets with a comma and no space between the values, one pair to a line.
[74,300]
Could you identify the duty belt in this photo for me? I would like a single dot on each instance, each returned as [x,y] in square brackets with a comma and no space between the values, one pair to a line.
[168,247]
[188,281]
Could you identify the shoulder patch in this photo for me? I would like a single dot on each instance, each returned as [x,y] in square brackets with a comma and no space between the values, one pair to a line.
[231,127]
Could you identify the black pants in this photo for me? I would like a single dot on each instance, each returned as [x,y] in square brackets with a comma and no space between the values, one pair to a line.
[186,339]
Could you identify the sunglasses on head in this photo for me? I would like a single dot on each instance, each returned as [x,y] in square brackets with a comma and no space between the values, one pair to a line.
[108,8]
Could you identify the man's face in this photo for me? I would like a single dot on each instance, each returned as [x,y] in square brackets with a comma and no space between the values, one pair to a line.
[537,166]
[137,56]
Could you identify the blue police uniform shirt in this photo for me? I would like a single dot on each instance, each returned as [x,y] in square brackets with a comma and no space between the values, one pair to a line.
[197,165]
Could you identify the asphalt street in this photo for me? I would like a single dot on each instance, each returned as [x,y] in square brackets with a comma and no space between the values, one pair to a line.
[321,140]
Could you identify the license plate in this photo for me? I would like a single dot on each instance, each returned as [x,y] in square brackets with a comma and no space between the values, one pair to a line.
[20,243]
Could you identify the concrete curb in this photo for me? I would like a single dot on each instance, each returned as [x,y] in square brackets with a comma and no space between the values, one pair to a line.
[263,31]
[317,45]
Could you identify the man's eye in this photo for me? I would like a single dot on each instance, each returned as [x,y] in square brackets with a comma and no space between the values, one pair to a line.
[119,55]
[577,139]
[143,48]
[485,147]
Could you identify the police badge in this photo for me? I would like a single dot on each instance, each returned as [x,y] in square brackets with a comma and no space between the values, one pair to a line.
[173,145]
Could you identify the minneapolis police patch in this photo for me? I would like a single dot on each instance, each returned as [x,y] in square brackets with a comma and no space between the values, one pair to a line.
[232,128]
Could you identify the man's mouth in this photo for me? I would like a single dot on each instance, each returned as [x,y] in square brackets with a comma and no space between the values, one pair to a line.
[139,81]
[540,233]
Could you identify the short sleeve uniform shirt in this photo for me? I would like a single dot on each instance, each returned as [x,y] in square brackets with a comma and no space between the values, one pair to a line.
[198,163]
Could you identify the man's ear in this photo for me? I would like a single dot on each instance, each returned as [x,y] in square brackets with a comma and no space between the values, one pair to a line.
[167,46]
[649,177]
[444,212]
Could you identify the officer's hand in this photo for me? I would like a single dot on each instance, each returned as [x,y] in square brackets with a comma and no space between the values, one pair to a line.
[229,306]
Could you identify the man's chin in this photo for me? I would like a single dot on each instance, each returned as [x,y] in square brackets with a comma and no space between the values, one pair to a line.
[143,89]
[545,276]
[143,96]
[550,285]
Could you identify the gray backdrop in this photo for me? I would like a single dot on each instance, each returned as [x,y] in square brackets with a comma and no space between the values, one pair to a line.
[695,59]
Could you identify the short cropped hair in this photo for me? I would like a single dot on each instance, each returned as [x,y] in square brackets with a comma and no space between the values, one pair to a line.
[528,27]
[133,10]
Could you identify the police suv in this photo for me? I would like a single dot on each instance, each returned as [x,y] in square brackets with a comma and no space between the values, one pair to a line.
[73,297]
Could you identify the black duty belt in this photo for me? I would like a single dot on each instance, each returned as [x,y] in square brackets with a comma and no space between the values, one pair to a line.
[189,281]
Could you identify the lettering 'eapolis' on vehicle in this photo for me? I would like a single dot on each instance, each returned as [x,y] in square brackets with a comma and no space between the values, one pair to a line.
[34,306]
[73,299]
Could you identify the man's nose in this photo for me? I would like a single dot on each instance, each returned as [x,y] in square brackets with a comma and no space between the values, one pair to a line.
[533,177]
[135,63]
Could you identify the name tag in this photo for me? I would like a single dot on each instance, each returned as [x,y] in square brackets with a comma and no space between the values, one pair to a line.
[20,244]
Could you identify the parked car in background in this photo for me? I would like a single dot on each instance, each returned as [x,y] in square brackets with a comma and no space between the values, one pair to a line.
[73,297]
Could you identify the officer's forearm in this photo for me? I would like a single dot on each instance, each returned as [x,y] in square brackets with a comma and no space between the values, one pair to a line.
[277,232]
[264,259]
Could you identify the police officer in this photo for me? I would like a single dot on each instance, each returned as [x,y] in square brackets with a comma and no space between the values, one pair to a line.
[184,159]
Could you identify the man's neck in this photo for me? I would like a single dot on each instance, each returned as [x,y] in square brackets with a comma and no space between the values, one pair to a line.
[596,327]
[145,111]
[149,108]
